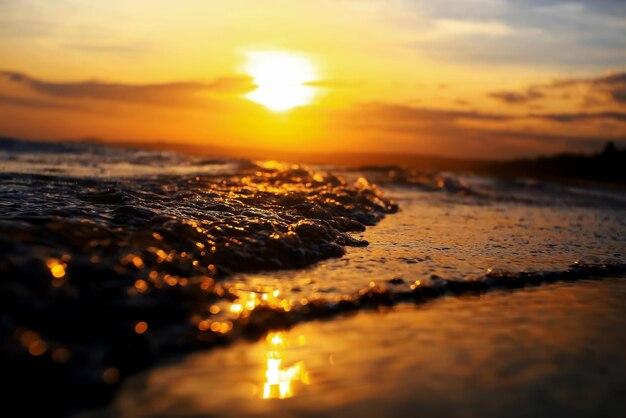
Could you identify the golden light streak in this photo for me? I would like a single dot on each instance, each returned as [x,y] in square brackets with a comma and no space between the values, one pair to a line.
[278,380]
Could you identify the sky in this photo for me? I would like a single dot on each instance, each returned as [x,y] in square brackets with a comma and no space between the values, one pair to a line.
[463,78]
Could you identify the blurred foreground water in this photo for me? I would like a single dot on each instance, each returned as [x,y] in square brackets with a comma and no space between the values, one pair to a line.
[539,352]
[115,260]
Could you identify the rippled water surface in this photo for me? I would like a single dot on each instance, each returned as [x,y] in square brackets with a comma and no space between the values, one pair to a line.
[113,260]
[439,237]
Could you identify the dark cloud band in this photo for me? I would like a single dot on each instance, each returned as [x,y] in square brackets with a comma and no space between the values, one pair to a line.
[164,94]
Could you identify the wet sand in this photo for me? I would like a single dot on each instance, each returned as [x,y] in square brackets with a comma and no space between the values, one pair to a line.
[554,350]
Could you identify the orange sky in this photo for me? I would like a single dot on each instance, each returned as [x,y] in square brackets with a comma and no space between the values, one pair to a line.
[473,78]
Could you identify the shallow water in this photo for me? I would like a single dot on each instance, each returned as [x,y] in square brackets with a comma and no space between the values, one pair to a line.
[436,237]
[115,259]
[555,350]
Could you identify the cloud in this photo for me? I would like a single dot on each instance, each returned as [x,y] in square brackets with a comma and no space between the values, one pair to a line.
[35,103]
[162,94]
[612,79]
[615,85]
[602,7]
[605,90]
[548,33]
[513,97]
[402,113]
[571,117]
[233,84]
[405,115]
[619,95]
[617,78]
[457,27]
[475,132]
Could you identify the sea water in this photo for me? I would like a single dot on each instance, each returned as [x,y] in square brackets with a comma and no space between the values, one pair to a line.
[116,260]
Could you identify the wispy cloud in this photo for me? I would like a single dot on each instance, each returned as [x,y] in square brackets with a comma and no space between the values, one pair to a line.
[615,84]
[571,117]
[182,93]
[498,134]
[404,115]
[36,104]
[513,97]
[606,90]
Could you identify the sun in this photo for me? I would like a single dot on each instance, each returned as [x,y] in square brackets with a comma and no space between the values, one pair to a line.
[281,78]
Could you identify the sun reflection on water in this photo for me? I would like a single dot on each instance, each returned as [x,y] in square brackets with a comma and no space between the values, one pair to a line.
[247,301]
[279,380]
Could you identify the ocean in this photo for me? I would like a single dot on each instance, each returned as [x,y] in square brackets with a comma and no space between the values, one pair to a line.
[141,283]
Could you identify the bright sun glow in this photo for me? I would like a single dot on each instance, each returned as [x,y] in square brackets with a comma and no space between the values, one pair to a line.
[281,78]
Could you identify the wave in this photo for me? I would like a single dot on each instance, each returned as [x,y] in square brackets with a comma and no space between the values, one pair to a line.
[87,263]
[478,189]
